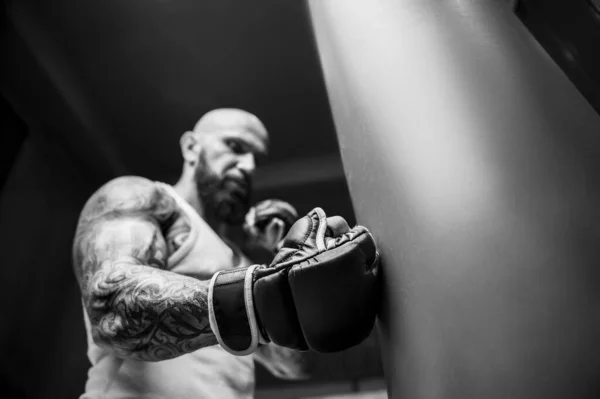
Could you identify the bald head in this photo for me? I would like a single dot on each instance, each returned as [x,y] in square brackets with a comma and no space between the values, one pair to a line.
[231,118]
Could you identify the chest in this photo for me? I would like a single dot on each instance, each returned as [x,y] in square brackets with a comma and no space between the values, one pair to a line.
[196,250]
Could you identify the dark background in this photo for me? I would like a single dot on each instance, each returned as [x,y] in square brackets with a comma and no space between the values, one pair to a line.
[569,30]
[94,90]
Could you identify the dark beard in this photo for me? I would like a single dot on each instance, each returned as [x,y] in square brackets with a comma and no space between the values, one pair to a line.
[218,199]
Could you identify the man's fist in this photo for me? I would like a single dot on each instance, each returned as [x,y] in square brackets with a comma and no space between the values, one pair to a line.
[320,292]
[268,222]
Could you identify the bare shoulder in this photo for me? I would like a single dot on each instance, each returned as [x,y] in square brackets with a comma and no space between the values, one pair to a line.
[126,216]
[126,195]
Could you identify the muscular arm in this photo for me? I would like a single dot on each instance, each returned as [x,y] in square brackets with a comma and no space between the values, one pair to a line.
[135,306]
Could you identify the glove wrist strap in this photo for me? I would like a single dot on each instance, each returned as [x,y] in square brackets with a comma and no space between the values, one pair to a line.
[231,311]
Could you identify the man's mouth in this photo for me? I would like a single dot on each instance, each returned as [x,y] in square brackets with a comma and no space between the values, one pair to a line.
[237,185]
[239,180]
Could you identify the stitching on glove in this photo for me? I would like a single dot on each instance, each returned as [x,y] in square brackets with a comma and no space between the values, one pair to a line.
[300,245]
[321,230]
[287,262]
[307,234]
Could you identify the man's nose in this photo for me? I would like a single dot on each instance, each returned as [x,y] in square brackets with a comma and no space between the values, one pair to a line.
[247,163]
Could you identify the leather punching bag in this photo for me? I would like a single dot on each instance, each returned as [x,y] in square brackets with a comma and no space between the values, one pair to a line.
[476,164]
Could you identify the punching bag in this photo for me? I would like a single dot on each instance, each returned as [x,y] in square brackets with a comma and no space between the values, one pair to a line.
[476,164]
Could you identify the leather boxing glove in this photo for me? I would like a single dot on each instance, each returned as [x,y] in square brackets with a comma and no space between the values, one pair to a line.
[268,222]
[319,293]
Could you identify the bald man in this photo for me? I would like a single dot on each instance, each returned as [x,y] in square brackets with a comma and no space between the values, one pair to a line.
[143,254]
[173,309]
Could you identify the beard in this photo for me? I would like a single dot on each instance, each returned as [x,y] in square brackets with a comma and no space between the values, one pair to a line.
[223,197]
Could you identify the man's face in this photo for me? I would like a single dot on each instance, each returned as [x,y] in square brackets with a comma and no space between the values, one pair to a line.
[225,168]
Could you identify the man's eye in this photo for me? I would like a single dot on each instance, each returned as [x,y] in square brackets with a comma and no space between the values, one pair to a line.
[235,146]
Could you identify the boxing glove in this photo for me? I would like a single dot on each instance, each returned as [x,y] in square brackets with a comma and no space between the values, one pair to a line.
[267,223]
[320,292]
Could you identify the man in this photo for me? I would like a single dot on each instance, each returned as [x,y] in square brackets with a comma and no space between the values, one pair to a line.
[161,286]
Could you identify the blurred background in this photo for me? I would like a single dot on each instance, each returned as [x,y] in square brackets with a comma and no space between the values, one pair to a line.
[94,90]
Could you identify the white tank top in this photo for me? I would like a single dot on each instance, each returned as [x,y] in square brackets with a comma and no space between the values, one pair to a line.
[206,373]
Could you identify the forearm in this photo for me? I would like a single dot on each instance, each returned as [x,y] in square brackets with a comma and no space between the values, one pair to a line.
[148,314]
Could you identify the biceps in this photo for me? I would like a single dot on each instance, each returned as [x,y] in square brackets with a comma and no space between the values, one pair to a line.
[137,238]
[134,240]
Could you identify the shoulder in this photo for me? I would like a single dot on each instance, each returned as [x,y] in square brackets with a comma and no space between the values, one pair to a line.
[126,195]
[116,208]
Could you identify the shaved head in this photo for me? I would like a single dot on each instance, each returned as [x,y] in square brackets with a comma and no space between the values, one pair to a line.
[231,118]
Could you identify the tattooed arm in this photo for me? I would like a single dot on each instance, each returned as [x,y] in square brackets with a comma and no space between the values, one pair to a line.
[136,307]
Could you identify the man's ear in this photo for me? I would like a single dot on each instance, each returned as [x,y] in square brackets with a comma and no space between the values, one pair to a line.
[190,147]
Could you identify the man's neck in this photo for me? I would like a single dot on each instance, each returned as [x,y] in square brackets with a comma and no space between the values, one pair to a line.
[189,192]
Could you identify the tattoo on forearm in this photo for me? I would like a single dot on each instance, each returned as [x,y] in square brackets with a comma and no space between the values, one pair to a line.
[149,314]
[136,307]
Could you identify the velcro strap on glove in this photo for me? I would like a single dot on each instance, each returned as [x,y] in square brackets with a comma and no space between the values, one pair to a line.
[231,311]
